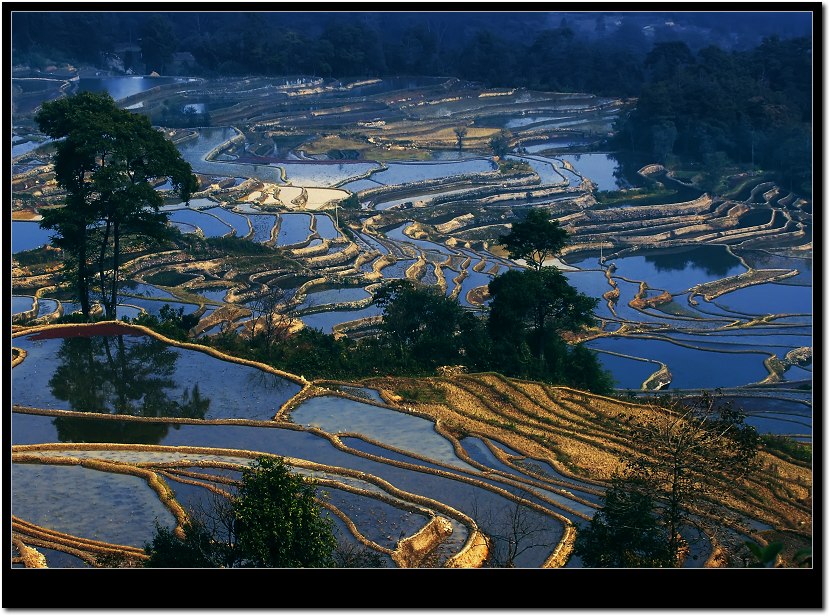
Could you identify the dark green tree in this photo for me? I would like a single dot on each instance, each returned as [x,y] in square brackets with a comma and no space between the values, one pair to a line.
[626,531]
[460,133]
[278,522]
[423,328]
[530,313]
[500,144]
[535,239]
[272,521]
[197,549]
[106,160]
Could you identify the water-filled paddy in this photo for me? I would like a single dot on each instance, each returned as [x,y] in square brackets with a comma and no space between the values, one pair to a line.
[325,227]
[88,503]
[124,86]
[325,321]
[325,174]
[334,296]
[213,294]
[139,375]
[22,303]
[206,140]
[690,368]
[335,414]
[46,306]
[27,235]
[154,306]
[294,228]
[769,298]
[407,172]
[674,270]
[628,373]
[238,222]
[210,226]
[599,168]
[263,225]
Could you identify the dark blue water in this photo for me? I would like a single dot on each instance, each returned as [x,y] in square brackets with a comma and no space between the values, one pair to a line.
[22,303]
[324,321]
[769,298]
[325,227]
[407,172]
[334,296]
[263,225]
[675,270]
[628,373]
[234,220]
[209,225]
[599,168]
[690,368]
[27,235]
[140,375]
[294,228]
[88,503]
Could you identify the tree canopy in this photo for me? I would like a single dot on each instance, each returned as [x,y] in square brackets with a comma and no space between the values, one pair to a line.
[530,312]
[272,521]
[535,239]
[423,328]
[107,160]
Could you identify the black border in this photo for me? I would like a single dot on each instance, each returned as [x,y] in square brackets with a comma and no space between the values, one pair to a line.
[508,589]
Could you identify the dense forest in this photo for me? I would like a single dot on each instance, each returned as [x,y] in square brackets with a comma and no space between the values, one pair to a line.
[712,88]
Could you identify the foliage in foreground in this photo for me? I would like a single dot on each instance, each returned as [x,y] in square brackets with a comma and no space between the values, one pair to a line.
[272,521]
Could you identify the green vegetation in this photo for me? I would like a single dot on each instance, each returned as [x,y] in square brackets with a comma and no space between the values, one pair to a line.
[514,167]
[37,256]
[626,532]
[423,329]
[500,144]
[719,108]
[351,202]
[635,196]
[169,322]
[535,239]
[218,246]
[802,452]
[272,521]
[169,278]
[107,161]
[422,394]
[529,313]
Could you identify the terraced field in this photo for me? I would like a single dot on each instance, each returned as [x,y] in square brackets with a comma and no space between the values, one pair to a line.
[348,185]
[421,483]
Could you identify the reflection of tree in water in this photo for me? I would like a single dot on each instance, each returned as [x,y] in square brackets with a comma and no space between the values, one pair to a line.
[107,374]
[260,379]
[714,260]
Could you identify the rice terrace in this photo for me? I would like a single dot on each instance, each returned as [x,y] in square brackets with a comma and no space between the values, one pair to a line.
[480,305]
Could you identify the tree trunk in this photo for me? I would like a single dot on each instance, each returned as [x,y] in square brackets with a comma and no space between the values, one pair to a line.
[83,278]
[113,306]
[101,259]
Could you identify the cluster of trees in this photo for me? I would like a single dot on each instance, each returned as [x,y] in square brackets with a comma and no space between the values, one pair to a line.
[107,160]
[521,335]
[716,107]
